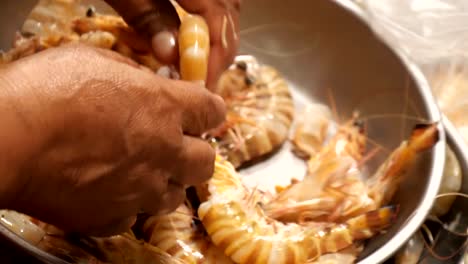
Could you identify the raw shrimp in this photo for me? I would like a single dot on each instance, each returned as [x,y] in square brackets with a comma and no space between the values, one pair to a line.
[56,22]
[179,235]
[122,248]
[260,111]
[236,224]
[335,166]
[343,193]
[47,25]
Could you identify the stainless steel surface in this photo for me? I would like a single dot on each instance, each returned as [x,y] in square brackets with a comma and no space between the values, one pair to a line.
[324,46]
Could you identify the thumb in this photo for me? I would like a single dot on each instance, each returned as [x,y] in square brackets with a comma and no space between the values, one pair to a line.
[157,20]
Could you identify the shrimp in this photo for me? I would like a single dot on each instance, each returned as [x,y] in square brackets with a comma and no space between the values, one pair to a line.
[260,111]
[236,224]
[335,166]
[72,23]
[384,183]
[117,249]
[194,47]
[344,193]
[178,235]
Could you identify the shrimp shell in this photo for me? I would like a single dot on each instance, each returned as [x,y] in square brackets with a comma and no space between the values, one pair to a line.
[260,111]
[311,130]
[385,182]
[236,224]
[332,182]
[119,249]
[177,234]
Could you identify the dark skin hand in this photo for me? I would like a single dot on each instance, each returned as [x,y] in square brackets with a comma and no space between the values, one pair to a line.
[90,139]
[157,20]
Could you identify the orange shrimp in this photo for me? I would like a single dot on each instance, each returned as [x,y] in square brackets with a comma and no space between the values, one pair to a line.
[178,234]
[119,249]
[261,100]
[335,166]
[346,194]
[237,224]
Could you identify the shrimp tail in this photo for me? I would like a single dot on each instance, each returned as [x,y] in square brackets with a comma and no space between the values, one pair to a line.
[368,224]
[424,136]
[361,227]
[386,180]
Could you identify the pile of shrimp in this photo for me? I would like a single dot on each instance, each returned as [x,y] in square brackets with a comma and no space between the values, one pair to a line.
[324,218]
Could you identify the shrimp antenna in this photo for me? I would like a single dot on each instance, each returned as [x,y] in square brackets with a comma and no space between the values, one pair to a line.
[369,155]
[439,257]
[404,116]
[331,99]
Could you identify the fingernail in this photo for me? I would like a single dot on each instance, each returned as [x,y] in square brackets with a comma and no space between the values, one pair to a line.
[164,45]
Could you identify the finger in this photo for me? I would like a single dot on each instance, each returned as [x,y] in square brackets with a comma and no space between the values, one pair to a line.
[201,109]
[157,20]
[196,162]
[113,228]
[166,203]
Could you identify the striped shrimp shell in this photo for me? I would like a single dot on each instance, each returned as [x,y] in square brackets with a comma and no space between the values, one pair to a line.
[260,111]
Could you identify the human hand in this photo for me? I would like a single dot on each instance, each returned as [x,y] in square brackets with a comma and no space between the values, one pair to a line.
[158,20]
[101,138]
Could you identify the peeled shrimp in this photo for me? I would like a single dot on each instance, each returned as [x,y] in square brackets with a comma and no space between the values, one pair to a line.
[178,235]
[194,47]
[260,111]
[333,176]
[236,224]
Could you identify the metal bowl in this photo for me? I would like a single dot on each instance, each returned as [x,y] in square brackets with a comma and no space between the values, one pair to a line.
[326,47]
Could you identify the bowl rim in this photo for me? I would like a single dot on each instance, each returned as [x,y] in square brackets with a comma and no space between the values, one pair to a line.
[434,114]
[436,171]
